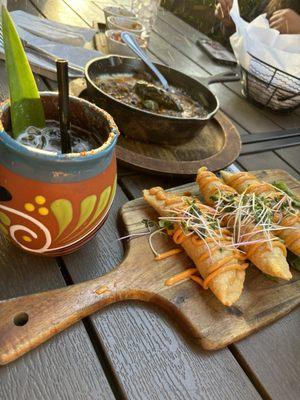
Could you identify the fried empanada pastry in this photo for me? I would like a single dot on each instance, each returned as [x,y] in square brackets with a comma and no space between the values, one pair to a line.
[221,266]
[245,182]
[266,252]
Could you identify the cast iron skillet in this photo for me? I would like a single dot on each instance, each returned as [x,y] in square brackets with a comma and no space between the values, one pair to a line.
[149,126]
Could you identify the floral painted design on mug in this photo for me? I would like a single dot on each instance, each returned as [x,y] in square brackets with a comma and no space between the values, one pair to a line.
[44,223]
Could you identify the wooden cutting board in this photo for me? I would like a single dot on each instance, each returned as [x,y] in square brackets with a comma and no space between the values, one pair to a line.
[26,322]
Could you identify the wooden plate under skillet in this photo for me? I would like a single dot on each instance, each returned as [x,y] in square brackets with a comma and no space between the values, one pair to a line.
[216,146]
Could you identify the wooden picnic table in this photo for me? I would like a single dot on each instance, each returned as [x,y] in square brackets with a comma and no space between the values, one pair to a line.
[131,350]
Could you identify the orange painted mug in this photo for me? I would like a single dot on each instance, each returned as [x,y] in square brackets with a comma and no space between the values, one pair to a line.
[51,204]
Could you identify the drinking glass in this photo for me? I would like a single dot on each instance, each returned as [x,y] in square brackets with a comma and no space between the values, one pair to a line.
[146,12]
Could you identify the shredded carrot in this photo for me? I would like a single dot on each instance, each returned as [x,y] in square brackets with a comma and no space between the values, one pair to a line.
[208,253]
[172,200]
[221,262]
[102,290]
[180,277]
[198,280]
[204,283]
[167,254]
[226,268]
[179,237]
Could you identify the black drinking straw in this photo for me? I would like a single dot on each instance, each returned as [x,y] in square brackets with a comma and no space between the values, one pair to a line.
[63,104]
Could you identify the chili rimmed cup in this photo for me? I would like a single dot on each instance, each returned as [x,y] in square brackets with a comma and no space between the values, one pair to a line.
[51,204]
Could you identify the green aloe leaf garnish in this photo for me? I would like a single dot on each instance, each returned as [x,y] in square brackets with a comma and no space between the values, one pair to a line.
[26,105]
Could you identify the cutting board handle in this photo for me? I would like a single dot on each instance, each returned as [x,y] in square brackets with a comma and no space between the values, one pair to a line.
[28,321]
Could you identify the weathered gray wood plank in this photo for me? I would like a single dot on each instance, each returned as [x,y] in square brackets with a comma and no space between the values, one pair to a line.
[291,156]
[65,367]
[147,352]
[272,356]
[59,11]
[88,10]
[267,160]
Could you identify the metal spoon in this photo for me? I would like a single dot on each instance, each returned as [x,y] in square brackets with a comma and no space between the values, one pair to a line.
[131,42]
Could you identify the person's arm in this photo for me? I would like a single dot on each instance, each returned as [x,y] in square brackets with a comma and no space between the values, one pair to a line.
[285,21]
[222,12]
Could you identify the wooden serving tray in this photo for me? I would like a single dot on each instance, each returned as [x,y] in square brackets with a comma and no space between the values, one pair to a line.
[216,146]
[26,322]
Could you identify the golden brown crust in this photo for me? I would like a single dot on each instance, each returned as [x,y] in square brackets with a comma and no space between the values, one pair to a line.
[227,286]
[270,260]
[244,181]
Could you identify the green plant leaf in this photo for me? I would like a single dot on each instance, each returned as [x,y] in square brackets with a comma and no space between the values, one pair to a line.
[26,105]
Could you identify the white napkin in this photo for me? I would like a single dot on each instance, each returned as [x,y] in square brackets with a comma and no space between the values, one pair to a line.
[51,30]
[63,41]
[265,43]
[272,60]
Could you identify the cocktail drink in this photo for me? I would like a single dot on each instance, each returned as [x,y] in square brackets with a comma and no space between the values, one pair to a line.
[54,195]
[49,138]
[53,203]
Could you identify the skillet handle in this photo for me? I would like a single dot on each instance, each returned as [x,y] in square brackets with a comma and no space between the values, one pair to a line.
[228,76]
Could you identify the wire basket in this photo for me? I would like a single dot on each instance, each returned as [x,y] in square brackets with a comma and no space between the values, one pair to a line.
[271,87]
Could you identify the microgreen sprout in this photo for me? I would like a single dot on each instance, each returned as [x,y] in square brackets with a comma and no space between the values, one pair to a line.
[251,216]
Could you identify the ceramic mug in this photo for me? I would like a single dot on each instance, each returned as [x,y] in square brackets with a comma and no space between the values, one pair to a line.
[51,204]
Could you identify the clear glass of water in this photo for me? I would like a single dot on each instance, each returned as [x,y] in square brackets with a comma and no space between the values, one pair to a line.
[146,12]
